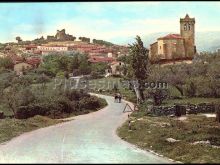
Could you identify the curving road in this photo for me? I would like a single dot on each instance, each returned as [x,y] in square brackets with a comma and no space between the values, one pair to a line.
[89,138]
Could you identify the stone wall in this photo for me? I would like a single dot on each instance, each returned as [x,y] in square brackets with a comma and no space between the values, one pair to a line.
[153,51]
[189,109]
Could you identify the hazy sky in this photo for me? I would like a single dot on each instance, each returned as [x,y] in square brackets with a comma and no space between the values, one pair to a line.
[110,21]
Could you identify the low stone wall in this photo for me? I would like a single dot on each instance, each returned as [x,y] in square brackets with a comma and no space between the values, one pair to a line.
[163,110]
[183,109]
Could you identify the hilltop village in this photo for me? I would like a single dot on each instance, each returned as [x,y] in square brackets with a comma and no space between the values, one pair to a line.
[98,51]
[166,94]
[169,49]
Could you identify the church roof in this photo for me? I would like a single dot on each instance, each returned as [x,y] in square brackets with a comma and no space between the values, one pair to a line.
[171,36]
[187,18]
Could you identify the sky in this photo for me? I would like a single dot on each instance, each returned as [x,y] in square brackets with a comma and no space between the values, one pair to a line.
[111,21]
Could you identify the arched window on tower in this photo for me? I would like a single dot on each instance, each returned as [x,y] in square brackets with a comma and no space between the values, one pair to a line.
[189,26]
[185,27]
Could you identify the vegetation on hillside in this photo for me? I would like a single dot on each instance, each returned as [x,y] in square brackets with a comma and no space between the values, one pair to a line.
[102,42]
[77,65]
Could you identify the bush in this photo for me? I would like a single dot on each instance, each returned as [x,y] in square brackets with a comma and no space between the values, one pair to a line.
[75,95]
[66,105]
[96,75]
[24,112]
[90,103]
[41,71]
[42,79]
[60,74]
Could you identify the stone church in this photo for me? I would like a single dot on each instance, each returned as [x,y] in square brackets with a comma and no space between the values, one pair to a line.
[176,46]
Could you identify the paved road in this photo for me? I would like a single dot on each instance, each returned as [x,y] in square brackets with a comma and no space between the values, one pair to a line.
[89,138]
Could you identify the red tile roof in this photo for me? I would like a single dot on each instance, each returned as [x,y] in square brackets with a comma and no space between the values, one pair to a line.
[172,36]
[16,59]
[34,61]
[30,46]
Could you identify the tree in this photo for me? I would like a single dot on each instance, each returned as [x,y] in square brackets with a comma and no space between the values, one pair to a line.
[84,68]
[74,63]
[6,63]
[176,76]
[99,67]
[159,95]
[17,94]
[66,75]
[10,98]
[139,66]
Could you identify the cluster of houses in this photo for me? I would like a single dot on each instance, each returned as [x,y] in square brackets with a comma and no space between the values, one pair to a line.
[21,63]
[97,53]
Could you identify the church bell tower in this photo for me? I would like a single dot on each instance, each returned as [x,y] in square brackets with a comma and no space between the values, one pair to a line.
[187,31]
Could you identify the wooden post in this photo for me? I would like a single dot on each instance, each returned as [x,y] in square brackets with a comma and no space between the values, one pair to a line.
[129,125]
[217,111]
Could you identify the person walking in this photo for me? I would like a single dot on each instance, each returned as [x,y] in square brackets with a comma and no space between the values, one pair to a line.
[119,98]
[116,97]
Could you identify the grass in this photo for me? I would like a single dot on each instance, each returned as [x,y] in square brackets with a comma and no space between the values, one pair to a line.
[151,133]
[10,128]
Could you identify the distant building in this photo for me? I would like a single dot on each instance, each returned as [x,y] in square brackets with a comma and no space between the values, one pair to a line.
[26,64]
[218,50]
[61,36]
[116,67]
[176,46]
[46,49]
[20,67]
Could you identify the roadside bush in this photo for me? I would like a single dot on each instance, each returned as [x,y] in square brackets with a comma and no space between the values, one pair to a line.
[25,97]
[24,112]
[66,105]
[74,95]
[89,103]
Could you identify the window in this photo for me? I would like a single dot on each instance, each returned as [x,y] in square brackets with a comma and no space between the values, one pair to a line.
[189,26]
[185,27]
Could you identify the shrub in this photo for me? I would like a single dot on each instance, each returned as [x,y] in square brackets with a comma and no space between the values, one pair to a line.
[89,103]
[42,79]
[24,112]
[74,95]
[96,75]
[66,105]
[60,74]
[41,71]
